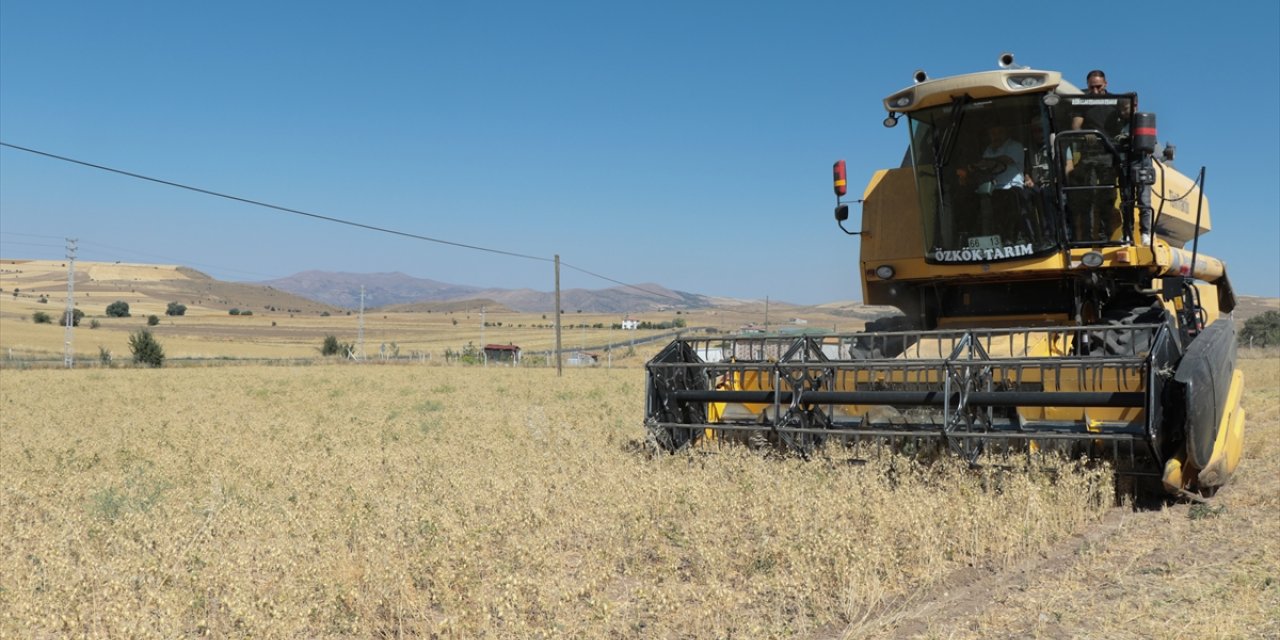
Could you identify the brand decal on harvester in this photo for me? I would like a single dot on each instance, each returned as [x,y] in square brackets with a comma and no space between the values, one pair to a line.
[975,255]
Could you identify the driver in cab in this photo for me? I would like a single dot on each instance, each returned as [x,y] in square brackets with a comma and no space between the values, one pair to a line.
[996,181]
[997,178]
[1000,168]
[1001,161]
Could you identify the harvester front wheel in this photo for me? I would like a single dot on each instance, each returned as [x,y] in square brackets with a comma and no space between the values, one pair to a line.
[867,347]
[1111,337]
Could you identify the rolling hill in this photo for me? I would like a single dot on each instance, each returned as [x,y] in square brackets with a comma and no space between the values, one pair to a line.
[388,290]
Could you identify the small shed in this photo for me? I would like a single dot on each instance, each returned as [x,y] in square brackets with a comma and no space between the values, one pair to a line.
[502,353]
[582,359]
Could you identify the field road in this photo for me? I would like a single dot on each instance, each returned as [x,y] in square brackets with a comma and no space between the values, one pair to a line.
[1207,570]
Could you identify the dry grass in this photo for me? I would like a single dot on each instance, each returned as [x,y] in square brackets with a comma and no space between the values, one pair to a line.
[416,501]
[1197,571]
[273,331]
[215,334]
[285,326]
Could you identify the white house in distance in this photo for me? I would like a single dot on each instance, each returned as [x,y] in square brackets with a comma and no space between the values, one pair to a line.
[630,325]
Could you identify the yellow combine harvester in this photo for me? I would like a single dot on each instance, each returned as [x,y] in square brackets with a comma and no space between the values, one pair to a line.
[1044,257]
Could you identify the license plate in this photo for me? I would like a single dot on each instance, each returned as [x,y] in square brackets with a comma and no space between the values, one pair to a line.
[984,242]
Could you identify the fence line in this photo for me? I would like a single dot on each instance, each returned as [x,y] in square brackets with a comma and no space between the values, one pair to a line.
[12,361]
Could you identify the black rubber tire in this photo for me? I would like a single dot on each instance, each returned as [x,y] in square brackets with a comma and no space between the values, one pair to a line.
[1111,340]
[884,347]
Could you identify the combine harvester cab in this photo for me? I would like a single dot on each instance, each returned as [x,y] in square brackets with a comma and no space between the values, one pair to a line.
[1038,251]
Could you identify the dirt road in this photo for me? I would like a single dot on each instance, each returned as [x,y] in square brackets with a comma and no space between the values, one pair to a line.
[1186,569]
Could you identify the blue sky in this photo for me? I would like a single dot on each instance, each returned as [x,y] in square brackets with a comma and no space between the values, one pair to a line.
[687,144]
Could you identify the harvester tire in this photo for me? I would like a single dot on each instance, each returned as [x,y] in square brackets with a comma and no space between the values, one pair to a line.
[1106,340]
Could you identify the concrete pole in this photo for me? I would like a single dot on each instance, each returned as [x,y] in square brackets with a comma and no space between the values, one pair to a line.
[559,358]
[68,353]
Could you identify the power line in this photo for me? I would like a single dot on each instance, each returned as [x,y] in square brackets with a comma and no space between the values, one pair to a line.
[182,261]
[326,218]
[32,244]
[619,282]
[122,250]
[268,205]
[29,235]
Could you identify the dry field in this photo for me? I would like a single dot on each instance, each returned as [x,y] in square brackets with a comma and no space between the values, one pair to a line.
[287,327]
[420,501]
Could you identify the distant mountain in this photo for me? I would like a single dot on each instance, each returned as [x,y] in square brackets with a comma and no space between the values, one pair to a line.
[388,289]
[380,289]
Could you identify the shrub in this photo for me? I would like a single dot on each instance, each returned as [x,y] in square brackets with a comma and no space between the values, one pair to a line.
[234,312]
[94,324]
[1262,330]
[176,309]
[146,350]
[118,309]
[247,312]
[76,315]
[153,320]
[332,347]
[471,355]
[104,355]
[41,317]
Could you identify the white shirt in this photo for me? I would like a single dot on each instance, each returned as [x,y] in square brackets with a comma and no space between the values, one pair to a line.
[1011,177]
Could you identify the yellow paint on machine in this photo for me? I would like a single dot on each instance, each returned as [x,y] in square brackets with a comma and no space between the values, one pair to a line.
[1174,480]
[1131,379]
[1229,444]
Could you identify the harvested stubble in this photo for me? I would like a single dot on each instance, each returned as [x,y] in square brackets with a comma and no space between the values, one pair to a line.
[420,501]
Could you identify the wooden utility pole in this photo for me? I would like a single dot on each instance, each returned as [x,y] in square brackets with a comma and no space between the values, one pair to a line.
[559,364]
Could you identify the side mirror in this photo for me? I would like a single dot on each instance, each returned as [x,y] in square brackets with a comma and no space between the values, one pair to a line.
[842,212]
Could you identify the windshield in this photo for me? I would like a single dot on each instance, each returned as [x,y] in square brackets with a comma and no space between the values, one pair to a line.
[985,175]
